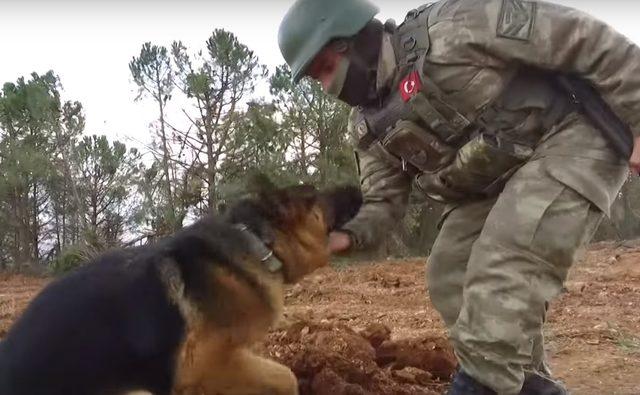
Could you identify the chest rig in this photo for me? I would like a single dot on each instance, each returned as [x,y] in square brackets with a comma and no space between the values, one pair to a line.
[413,103]
[450,156]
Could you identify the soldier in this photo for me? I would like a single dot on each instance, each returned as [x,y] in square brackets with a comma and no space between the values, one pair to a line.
[482,105]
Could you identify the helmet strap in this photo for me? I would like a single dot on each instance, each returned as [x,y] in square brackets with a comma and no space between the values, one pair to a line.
[360,83]
[335,88]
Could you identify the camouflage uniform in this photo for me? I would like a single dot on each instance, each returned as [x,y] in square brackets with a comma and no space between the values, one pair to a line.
[503,253]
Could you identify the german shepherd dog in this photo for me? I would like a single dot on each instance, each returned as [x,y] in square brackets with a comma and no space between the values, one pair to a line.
[178,316]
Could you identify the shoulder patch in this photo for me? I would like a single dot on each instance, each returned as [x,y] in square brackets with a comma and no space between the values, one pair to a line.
[517,19]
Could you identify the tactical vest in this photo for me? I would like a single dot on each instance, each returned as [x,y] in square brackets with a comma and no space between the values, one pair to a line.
[451,157]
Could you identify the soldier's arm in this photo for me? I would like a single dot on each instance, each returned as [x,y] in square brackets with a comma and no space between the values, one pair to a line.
[385,190]
[554,37]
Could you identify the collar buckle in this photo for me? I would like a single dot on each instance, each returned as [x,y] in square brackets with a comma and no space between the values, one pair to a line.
[260,250]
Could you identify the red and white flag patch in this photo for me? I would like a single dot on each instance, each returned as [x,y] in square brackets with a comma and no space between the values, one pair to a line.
[410,86]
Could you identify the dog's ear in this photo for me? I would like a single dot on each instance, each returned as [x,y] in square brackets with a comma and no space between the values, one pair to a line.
[260,184]
[304,193]
[342,204]
[289,204]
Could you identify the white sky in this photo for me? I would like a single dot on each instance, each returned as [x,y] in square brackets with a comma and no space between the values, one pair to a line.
[90,43]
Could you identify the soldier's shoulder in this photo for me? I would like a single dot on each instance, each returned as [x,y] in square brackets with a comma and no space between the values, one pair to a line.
[459,10]
[457,22]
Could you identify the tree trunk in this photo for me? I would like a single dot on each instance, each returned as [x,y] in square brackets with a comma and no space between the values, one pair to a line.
[211,175]
[58,233]
[24,231]
[171,215]
[64,219]
[35,239]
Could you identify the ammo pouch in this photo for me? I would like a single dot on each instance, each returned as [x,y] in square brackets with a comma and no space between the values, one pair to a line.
[425,151]
[480,168]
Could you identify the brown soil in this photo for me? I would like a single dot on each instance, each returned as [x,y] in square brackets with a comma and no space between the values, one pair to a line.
[370,329]
[15,292]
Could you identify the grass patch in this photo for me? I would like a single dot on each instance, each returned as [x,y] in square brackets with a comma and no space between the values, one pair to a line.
[628,344]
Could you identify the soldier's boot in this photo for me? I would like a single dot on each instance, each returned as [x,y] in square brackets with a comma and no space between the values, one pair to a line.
[463,384]
[536,384]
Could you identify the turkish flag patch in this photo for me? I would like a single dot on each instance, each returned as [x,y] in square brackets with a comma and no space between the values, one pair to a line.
[410,86]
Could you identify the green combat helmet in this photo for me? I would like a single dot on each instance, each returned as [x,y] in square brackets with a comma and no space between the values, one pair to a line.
[310,24]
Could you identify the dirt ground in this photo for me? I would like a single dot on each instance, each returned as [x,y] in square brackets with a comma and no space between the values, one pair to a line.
[370,328]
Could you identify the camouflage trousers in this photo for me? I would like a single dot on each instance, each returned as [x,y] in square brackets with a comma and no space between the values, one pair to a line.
[498,262]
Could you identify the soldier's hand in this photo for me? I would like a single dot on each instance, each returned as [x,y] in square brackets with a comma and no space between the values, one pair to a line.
[634,161]
[339,242]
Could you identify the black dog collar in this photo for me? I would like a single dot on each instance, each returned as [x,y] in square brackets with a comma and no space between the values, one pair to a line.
[259,249]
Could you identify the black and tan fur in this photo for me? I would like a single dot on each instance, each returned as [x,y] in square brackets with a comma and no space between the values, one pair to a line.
[178,316]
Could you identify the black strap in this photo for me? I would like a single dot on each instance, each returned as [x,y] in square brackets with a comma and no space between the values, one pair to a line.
[260,250]
[591,104]
[410,38]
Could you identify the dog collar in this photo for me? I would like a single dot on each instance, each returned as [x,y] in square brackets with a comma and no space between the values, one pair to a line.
[259,249]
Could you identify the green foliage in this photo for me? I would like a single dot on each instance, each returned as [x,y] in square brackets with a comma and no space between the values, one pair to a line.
[29,119]
[217,82]
[315,127]
[104,172]
[152,72]
[56,190]
[73,257]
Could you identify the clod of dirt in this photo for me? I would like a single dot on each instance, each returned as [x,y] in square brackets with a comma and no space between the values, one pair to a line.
[413,375]
[327,382]
[432,355]
[386,281]
[376,334]
[334,359]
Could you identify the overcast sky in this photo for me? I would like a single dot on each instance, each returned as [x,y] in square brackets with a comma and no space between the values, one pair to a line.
[89,43]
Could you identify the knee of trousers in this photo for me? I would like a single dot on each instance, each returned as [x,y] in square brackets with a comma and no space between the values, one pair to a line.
[504,307]
[445,285]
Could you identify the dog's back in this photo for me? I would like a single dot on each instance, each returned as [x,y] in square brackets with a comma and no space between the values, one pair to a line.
[107,326]
[113,326]
[134,319]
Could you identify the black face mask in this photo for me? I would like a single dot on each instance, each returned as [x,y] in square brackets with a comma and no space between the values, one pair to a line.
[360,85]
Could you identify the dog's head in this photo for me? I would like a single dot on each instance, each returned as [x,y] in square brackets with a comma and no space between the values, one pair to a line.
[294,222]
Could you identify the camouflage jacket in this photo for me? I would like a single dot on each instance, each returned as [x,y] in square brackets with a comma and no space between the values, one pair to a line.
[491,60]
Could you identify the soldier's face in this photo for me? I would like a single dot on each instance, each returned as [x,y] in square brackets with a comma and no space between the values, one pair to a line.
[325,65]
